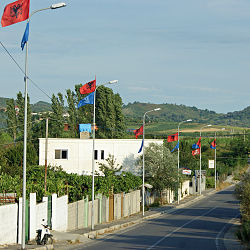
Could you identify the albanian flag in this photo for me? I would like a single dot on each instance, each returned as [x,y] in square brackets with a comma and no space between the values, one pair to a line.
[138,132]
[196,147]
[88,87]
[213,144]
[173,137]
[15,12]
[196,152]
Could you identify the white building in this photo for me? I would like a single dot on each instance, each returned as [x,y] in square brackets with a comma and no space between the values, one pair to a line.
[75,155]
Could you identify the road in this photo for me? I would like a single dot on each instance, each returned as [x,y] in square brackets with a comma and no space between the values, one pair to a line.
[200,226]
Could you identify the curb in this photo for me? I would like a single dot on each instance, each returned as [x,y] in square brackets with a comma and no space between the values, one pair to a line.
[47,247]
[95,234]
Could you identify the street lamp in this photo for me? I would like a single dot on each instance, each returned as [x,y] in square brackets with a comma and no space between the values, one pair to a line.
[93,156]
[53,6]
[189,120]
[143,169]
[215,159]
[200,152]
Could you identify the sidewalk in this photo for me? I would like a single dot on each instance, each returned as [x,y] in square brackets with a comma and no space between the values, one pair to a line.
[85,235]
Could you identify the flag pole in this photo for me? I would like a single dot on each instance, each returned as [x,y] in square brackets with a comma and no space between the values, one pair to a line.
[93,169]
[189,120]
[143,159]
[200,153]
[25,147]
[55,6]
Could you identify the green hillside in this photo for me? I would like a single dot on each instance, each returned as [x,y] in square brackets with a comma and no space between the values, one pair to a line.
[176,113]
[37,107]
[40,107]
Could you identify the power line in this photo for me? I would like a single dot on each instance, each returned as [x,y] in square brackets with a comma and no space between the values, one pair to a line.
[23,71]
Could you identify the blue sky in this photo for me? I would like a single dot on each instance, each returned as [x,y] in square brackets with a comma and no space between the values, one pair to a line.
[195,52]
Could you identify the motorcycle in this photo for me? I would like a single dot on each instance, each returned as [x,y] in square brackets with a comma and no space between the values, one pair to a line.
[43,235]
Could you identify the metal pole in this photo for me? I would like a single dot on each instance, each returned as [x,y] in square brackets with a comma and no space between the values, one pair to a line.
[143,169]
[215,162]
[25,148]
[46,155]
[93,170]
[200,161]
[178,200]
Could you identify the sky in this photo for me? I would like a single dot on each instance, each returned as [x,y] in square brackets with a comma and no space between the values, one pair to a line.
[195,52]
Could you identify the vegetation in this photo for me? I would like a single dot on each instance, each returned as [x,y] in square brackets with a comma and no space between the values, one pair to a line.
[176,113]
[160,167]
[243,194]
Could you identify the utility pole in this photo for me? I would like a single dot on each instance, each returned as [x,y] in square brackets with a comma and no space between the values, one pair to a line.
[46,155]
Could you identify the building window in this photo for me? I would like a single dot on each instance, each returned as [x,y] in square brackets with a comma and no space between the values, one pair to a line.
[102,154]
[61,154]
[96,155]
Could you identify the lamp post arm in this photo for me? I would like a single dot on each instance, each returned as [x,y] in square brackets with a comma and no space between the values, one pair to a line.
[35,11]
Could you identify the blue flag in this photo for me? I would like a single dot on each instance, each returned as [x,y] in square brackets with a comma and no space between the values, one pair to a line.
[25,36]
[141,147]
[87,100]
[195,146]
[176,147]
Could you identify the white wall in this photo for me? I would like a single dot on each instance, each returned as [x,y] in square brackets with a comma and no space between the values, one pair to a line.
[59,213]
[8,224]
[79,159]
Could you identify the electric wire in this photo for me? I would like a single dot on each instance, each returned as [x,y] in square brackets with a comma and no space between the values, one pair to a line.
[23,71]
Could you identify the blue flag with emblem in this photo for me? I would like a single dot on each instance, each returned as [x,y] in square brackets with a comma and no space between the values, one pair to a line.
[25,35]
[87,100]
[176,147]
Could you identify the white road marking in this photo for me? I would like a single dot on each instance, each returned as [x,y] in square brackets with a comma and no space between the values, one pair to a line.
[177,229]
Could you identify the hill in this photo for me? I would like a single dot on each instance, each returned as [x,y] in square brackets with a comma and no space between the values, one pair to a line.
[176,113]
[35,108]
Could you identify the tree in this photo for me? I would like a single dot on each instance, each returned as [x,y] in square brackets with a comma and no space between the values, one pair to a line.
[119,117]
[20,120]
[110,166]
[160,167]
[57,120]
[11,118]
[73,114]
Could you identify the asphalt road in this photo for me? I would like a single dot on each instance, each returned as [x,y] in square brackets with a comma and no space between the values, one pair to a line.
[200,226]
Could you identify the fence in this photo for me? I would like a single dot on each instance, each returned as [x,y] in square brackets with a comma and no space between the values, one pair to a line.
[7,198]
[63,216]
[168,195]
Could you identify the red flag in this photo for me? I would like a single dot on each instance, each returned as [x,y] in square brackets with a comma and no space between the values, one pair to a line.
[173,137]
[199,142]
[88,87]
[138,131]
[15,12]
[196,152]
[213,144]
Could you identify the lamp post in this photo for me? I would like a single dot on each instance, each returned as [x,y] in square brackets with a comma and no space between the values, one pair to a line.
[189,120]
[53,6]
[93,157]
[215,160]
[200,152]
[143,169]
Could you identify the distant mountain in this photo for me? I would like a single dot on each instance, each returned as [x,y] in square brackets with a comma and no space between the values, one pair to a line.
[169,113]
[176,113]
[41,107]
[35,108]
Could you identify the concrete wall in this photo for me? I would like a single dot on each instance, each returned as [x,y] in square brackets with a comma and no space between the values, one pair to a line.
[8,224]
[59,213]
[80,153]
[117,206]
[77,215]
[185,189]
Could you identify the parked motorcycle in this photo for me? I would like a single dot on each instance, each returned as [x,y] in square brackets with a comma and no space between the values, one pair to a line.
[43,235]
